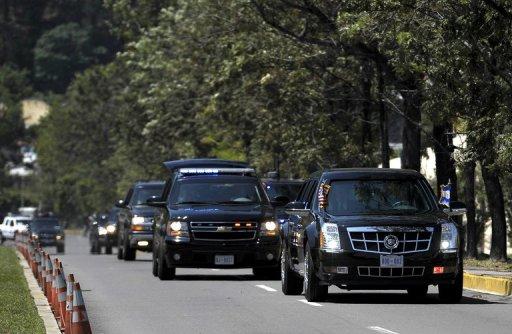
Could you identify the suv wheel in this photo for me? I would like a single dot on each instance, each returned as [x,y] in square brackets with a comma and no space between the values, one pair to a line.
[164,273]
[108,247]
[452,293]
[418,292]
[313,291]
[60,249]
[128,252]
[291,283]
[155,261]
[120,254]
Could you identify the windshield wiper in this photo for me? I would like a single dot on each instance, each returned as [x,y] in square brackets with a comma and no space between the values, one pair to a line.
[194,202]
[236,202]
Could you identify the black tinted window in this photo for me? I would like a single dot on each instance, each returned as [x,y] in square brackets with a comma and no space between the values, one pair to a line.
[353,197]
[142,194]
[204,191]
[289,190]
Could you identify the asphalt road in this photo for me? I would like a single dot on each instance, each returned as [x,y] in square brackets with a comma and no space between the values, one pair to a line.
[123,297]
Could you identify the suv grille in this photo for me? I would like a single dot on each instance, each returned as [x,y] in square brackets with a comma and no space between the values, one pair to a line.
[224,231]
[409,239]
[390,272]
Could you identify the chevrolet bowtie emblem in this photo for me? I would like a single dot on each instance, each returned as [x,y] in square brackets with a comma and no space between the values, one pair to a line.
[223,228]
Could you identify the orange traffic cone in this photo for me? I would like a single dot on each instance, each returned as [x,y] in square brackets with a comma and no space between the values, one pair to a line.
[79,320]
[49,278]
[69,303]
[60,298]
[54,286]
[43,272]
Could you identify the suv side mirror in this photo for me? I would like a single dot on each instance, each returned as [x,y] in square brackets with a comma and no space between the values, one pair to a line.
[280,201]
[121,204]
[156,201]
[456,209]
[296,208]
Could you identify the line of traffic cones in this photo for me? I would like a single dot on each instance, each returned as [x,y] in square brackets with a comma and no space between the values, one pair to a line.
[64,294]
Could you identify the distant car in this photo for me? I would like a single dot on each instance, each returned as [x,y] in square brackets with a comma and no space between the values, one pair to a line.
[101,234]
[282,191]
[135,219]
[370,228]
[112,220]
[214,214]
[48,232]
[13,225]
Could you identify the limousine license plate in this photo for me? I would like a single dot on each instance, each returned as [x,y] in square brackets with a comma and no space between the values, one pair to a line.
[391,261]
[224,260]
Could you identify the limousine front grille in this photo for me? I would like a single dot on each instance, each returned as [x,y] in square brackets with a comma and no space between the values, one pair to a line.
[390,272]
[224,231]
[409,239]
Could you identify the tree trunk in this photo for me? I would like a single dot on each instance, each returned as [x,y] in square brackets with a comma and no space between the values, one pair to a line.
[411,135]
[495,200]
[445,165]
[366,88]
[383,120]
[469,197]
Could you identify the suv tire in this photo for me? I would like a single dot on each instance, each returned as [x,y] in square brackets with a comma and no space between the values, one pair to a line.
[128,252]
[108,247]
[313,291]
[452,293]
[120,254]
[291,283]
[164,273]
[155,261]
[60,249]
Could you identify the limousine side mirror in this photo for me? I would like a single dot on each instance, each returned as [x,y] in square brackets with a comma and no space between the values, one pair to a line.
[156,201]
[456,209]
[121,204]
[280,201]
[296,208]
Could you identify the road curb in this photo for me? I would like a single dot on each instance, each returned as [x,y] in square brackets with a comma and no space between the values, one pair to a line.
[43,308]
[488,284]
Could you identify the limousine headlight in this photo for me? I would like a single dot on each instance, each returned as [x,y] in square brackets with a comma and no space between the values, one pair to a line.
[330,238]
[449,238]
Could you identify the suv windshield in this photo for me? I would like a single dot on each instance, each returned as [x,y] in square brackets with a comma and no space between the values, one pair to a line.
[142,194]
[359,197]
[290,189]
[44,224]
[216,192]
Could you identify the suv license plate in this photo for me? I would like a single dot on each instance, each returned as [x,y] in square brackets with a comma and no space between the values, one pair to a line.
[224,260]
[391,261]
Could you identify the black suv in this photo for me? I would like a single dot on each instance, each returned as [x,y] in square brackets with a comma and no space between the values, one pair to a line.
[281,191]
[371,229]
[215,214]
[48,232]
[135,219]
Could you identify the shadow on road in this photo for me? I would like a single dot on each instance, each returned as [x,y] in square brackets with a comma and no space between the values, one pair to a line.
[221,278]
[395,298]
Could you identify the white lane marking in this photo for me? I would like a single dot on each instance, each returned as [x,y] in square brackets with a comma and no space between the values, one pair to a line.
[381,330]
[309,303]
[215,269]
[266,288]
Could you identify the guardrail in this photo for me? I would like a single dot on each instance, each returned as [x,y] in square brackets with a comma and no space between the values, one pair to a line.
[63,292]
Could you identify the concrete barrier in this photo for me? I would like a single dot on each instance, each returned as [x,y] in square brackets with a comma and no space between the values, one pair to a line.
[488,284]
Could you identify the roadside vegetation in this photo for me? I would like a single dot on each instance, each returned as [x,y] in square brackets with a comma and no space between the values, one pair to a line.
[265,80]
[18,313]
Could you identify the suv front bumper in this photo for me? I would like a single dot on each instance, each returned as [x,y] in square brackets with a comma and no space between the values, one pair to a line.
[364,272]
[254,254]
[141,240]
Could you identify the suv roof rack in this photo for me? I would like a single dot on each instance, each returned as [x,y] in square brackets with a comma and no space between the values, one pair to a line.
[216,171]
[204,163]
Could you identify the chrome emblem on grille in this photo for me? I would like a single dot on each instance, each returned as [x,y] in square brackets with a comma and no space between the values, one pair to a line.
[224,228]
[391,242]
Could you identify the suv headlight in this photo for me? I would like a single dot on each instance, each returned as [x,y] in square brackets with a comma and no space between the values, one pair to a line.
[102,230]
[111,228]
[177,229]
[330,238]
[449,238]
[269,228]
[138,220]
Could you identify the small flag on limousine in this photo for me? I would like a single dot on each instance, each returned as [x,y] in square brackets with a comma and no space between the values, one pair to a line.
[445,194]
